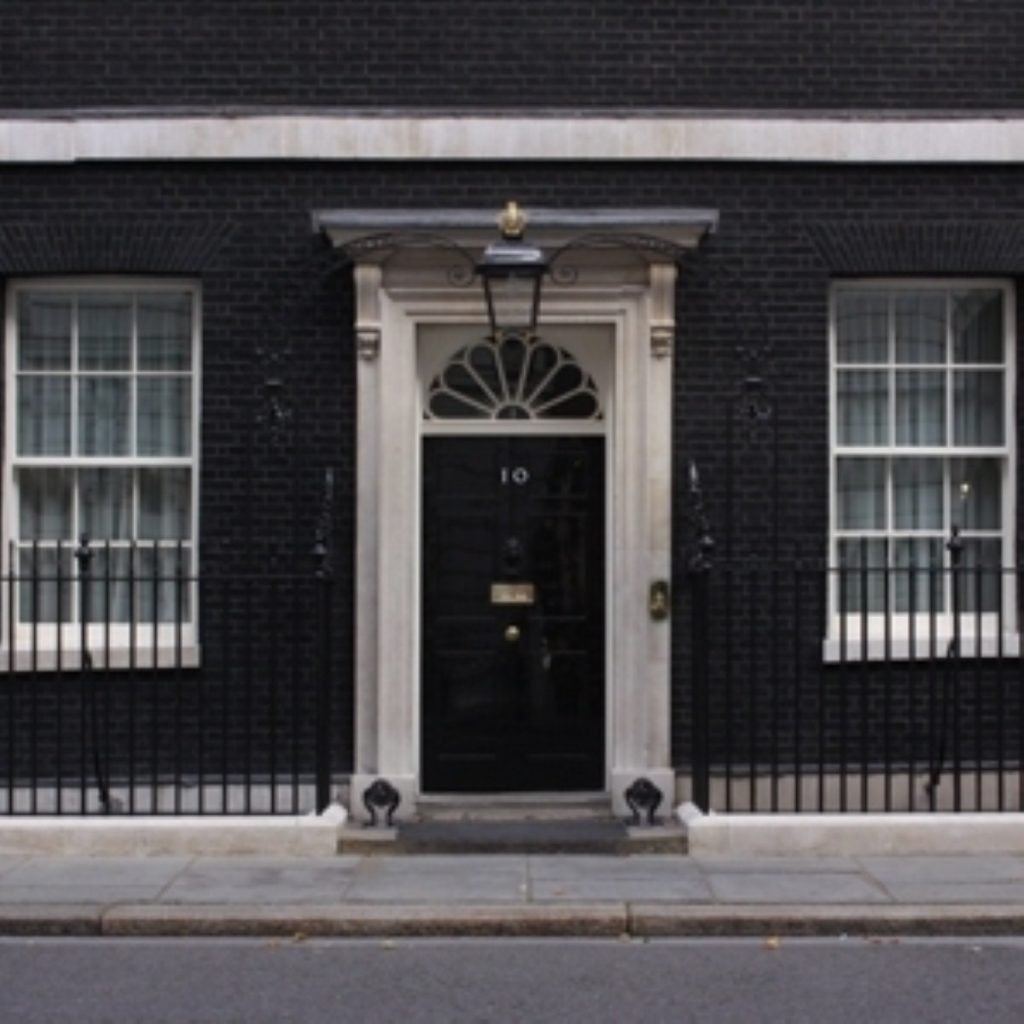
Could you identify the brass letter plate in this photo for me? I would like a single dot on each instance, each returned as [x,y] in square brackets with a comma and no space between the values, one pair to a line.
[512,593]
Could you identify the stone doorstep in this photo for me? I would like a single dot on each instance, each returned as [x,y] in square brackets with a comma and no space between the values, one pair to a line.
[516,823]
[605,835]
[513,807]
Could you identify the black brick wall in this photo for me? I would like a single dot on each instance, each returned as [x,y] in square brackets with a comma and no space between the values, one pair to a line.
[244,231]
[802,54]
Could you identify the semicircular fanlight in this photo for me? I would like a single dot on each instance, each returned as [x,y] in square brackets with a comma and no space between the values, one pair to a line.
[513,378]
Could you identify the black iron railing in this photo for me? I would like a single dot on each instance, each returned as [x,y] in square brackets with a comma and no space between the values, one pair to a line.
[129,684]
[853,687]
[803,687]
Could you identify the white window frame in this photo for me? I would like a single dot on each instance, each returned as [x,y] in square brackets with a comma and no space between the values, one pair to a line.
[37,646]
[878,635]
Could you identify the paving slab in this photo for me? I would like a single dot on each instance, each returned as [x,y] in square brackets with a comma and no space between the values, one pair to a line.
[945,868]
[987,893]
[9,861]
[616,878]
[726,864]
[99,896]
[84,872]
[436,879]
[499,894]
[806,888]
[267,880]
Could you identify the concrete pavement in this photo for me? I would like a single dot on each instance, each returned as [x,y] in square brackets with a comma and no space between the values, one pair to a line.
[527,894]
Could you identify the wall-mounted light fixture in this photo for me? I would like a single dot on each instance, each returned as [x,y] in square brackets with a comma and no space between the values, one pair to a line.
[512,272]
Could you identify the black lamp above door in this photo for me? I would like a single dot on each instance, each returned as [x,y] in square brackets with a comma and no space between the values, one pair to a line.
[512,272]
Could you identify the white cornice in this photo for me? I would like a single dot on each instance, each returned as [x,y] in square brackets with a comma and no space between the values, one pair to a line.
[917,139]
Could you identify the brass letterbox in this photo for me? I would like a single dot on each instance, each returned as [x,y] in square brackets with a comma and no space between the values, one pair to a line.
[512,593]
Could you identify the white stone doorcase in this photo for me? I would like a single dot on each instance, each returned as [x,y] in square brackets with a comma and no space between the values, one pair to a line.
[627,292]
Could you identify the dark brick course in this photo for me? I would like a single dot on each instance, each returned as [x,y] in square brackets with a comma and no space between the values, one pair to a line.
[801,54]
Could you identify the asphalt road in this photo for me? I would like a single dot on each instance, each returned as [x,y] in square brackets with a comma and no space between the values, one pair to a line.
[405,982]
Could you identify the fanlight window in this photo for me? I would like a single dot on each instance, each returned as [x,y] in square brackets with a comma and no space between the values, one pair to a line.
[513,378]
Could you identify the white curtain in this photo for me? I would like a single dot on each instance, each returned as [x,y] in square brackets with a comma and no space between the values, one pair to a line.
[917,486]
[860,493]
[164,420]
[978,327]
[44,402]
[44,415]
[165,331]
[105,516]
[863,407]
[920,327]
[913,356]
[44,504]
[104,331]
[978,417]
[862,327]
[44,331]
[138,521]
[104,405]
[165,504]
[920,407]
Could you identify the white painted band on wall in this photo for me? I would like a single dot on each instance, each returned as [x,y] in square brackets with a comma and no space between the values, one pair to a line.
[410,136]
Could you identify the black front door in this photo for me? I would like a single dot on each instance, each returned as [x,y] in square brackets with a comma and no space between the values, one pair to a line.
[513,613]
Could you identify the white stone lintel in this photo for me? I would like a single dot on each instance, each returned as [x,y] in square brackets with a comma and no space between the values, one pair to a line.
[253,134]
